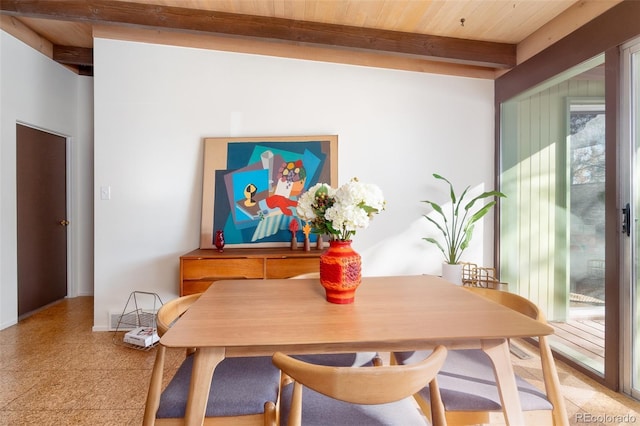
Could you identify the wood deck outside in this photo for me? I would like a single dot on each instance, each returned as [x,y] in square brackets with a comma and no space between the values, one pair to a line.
[582,339]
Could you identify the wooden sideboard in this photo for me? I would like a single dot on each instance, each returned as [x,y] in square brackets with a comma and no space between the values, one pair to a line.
[201,267]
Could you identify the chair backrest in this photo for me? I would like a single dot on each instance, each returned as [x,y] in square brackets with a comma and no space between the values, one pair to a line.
[166,316]
[363,385]
[171,311]
[510,300]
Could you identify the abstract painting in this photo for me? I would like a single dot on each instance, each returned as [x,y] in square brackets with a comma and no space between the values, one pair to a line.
[251,186]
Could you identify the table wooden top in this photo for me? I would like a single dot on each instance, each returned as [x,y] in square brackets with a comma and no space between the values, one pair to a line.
[389,313]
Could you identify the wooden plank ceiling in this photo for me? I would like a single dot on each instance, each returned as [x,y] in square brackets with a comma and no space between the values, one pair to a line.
[476,33]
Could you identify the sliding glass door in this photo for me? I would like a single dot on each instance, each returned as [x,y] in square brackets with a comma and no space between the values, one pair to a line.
[552,223]
[630,201]
[560,233]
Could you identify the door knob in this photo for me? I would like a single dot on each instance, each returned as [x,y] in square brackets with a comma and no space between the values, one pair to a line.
[64,222]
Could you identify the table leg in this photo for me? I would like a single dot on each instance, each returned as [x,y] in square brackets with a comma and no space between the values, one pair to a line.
[204,363]
[498,351]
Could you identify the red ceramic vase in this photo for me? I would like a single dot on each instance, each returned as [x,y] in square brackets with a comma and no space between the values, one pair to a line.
[340,272]
[218,241]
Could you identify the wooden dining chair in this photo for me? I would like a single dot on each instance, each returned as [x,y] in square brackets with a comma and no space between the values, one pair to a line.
[467,381]
[355,396]
[244,390]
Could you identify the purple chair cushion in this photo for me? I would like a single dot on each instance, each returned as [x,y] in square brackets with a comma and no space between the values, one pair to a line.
[353,359]
[467,383]
[321,410]
[240,386]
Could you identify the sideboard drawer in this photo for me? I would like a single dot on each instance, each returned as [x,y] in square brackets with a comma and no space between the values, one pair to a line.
[290,267]
[216,269]
[194,286]
[201,268]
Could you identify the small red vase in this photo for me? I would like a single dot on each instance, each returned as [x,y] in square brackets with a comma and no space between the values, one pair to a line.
[219,240]
[340,272]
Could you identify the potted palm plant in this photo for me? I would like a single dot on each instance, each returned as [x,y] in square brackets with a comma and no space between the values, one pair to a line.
[456,226]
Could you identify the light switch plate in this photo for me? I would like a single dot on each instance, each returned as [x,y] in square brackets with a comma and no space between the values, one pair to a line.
[105,192]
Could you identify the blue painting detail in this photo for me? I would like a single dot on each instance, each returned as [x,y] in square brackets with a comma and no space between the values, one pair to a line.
[256,196]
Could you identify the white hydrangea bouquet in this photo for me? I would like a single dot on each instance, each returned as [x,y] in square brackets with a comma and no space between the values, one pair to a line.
[338,213]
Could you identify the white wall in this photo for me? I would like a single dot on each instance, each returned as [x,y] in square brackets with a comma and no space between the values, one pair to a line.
[39,92]
[82,191]
[154,104]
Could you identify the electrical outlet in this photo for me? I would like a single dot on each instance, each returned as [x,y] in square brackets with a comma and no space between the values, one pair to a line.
[105,192]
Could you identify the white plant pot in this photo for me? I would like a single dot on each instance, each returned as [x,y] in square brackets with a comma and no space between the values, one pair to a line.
[452,273]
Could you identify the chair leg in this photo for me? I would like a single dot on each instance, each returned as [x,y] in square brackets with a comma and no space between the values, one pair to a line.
[437,407]
[392,359]
[155,389]
[295,412]
[269,414]
[377,361]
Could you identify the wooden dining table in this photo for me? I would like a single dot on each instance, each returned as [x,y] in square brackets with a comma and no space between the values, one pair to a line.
[391,313]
